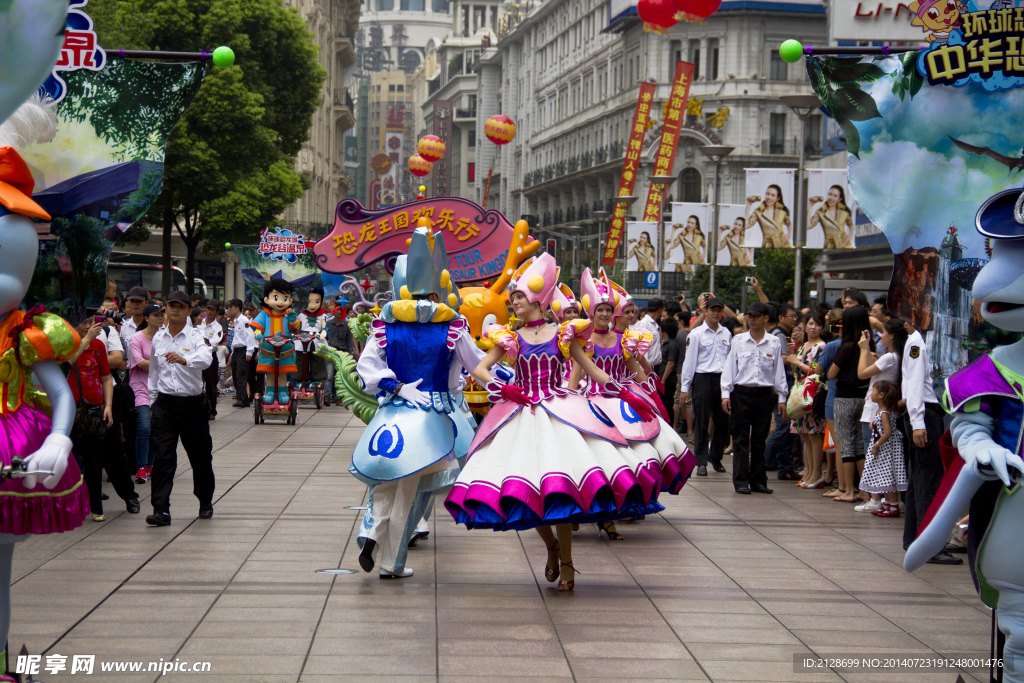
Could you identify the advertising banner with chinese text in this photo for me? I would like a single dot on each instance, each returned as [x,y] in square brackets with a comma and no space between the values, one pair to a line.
[665,157]
[630,166]
[263,261]
[932,136]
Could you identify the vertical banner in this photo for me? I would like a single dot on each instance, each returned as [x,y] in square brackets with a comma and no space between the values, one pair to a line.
[686,243]
[641,254]
[487,187]
[769,217]
[730,236]
[665,157]
[629,168]
[442,169]
[831,211]
[389,182]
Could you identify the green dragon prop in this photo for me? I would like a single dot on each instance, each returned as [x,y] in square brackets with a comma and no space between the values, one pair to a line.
[360,326]
[346,382]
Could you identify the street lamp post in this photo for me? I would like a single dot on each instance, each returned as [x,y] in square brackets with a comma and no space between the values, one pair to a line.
[803,106]
[661,181]
[714,154]
[600,216]
[575,247]
[628,201]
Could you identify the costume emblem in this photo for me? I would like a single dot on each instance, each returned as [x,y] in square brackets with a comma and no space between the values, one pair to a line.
[387,442]
[599,414]
[687,341]
[915,351]
[628,414]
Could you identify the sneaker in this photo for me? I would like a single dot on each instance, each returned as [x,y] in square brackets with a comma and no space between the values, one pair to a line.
[98,518]
[149,472]
[869,506]
[140,476]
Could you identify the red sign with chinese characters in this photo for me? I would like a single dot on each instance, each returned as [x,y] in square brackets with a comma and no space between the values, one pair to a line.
[665,157]
[477,240]
[629,168]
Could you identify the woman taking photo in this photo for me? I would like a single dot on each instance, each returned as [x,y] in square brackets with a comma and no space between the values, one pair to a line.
[772,217]
[850,393]
[809,426]
[138,380]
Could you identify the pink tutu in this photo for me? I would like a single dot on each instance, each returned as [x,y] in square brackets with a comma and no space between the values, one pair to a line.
[38,510]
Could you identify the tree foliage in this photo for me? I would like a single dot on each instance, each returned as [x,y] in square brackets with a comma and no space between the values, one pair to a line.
[230,160]
[774,272]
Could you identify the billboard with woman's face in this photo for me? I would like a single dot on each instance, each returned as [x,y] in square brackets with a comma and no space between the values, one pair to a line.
[686,243]
[831,211]
[769,213]
[731,237]
[641,246]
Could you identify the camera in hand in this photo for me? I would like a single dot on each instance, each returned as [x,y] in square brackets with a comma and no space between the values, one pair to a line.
[115,318]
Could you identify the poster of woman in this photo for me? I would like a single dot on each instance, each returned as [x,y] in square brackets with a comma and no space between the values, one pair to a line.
[686,241]
[640,246]
[769,217]
[830,210]
[731,235]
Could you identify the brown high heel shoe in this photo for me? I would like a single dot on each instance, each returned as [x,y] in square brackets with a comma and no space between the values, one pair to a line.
[551,573]
[566,586]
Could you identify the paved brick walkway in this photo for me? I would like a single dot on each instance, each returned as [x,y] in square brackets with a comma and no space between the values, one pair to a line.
[719,586]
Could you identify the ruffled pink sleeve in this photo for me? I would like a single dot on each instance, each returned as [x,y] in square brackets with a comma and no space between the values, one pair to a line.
[579,330]
[636,343]
[378,332]
[456,328]
[505,338]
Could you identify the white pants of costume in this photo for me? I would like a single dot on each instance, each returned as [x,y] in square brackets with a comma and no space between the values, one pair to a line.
[392,503]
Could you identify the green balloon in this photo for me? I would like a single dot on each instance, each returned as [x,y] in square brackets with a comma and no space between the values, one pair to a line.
[790,51]
[227,245]
[223,57]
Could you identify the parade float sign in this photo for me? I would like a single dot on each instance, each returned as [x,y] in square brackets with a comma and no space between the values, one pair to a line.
[932,135]
[104,167]
[476,239]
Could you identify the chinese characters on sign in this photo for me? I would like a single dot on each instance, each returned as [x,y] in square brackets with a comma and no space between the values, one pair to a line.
[81,50]
[666,154]
[476,239]
[282,245]
[630,166]
[443,129]
[993,41]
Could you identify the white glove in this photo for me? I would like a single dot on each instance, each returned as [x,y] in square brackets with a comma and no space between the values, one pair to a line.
[413,395]
[52,456]
[997,458]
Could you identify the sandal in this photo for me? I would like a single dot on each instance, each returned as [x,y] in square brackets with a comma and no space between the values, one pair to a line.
[835,494]
[551,573]
[566,586]
[609,528]
[844,499]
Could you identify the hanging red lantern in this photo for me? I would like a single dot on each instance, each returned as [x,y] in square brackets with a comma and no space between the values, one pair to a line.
[696,11]
[500,129]
[657,15]
[431,148]
[419,166]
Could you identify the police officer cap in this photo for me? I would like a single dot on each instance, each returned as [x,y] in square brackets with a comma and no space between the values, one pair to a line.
[138,293]
[757,308]
[180,297]
[996,216]
[212,303]
[714,301]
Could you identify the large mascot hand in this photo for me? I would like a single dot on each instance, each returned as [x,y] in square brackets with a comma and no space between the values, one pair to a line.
[52,456]
[412,394]
[972,435]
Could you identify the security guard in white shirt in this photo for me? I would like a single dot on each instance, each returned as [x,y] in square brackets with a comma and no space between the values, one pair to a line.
[179,356]
[753,383]
[214,333]
[707,347]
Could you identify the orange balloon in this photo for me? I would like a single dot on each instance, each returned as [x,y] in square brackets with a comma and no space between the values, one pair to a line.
[419,166]
[500,129]
[431,148]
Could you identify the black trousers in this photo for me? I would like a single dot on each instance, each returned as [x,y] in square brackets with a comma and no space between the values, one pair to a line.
[924,471]
[98,453]
[706,394]
[668,397]
[129,428]
[210,379]
[752,409]
[253,378]
[187,418]
[240,374]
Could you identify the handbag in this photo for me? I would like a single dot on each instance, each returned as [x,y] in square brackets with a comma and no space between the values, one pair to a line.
[820,399]
[88,416]
[124,397]
[802,397]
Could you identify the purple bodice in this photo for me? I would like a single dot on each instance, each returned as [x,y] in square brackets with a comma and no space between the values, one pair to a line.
[611,360]
[540,369]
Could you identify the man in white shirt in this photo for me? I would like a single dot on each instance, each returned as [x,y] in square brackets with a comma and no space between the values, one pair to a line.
[753,385]
[707,348]
[214,333]
[243,349]
[652,323]
[180,354]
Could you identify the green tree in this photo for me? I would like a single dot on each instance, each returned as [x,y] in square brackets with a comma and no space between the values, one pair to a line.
[229,168]
[774,272]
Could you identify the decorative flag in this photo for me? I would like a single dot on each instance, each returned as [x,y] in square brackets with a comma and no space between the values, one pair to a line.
[666,155]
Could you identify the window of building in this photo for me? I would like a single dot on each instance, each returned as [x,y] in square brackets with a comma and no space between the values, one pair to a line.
[472,138]
[712,74]
[439,6]
[812,136]
[689,185]
[675,54]
[779,69]
[391,88]
[777,134]
[412,5]
[693,52]
[471,172]
[385,5]
[401,88]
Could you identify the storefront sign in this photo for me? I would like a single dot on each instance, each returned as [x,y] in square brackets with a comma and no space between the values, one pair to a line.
[476,240]
[283,245]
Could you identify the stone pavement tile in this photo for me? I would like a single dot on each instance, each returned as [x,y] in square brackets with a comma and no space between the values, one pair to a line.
[246,665]
[738,652]
[507,631]
[377,665]
[199,649]
[253,614]
[675,669]
[744,605]
[638,648]
[504,679]
[395,630]
[858,638]
[92,628]
[761,671]
[836,620]
[263,629]
[382,615]
[509,666]
[416,645]
[844,609]
[228,678]
[714,634]
[361,678]
[601,618]
[497,647]
[140,647]
[272,599]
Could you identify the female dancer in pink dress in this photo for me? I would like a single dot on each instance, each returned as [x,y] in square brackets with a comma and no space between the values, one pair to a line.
[545,455]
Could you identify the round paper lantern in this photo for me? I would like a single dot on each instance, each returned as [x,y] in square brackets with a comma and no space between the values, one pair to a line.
[431,148]
[500,129]
[658,13]
[696,11]
[380,164]
[419,166]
